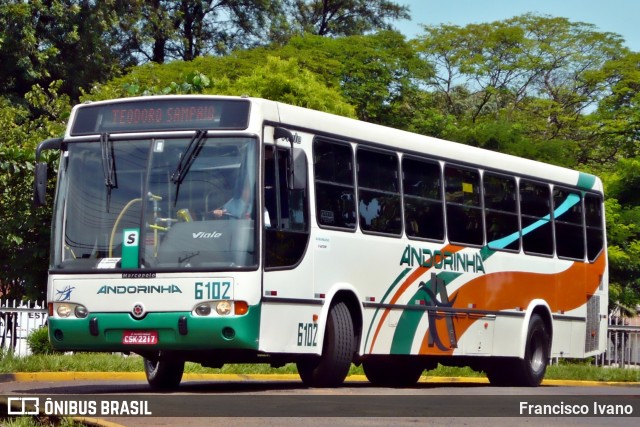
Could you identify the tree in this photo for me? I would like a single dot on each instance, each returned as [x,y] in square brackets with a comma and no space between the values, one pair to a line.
[343,17]
[24,231]
[377,73]
[46,40]
[616,122]
[622,188]
[162,30]
[542,72]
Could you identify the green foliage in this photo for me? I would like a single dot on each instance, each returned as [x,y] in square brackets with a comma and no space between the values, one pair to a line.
[24,231]
[276,79]
[283,80]
[543,73]
[38,342]
[44,41]
[623,232]
[35,421]
[343,17]
[378,74]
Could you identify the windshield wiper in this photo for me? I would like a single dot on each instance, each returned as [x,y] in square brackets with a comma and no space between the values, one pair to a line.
[186,160]
[108,165]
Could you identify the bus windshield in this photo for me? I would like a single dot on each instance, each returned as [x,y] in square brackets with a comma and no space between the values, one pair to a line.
[170,203]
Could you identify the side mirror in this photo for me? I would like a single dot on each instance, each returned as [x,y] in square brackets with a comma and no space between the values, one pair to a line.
[40,185]
[40,180]
[297,166]
[298,170]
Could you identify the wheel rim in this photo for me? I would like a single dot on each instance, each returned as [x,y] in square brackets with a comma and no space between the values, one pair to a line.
[152,366]
[537,353]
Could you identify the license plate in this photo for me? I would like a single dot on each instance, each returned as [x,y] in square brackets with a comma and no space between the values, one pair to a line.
[140,337]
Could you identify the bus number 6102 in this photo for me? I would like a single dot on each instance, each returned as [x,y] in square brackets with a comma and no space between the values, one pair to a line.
[307,334]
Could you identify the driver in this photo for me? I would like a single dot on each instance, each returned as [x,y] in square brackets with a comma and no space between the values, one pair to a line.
[236,207]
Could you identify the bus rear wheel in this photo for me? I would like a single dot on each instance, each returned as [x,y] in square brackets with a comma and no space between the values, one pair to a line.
[331,368]
[392,373]
[164,372]
[529,371]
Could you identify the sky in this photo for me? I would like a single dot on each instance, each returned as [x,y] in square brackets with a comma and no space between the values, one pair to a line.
[615,16]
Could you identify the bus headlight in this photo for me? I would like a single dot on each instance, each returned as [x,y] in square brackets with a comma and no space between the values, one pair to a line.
[223,307]
[64,310]
[81,311]
[203,309]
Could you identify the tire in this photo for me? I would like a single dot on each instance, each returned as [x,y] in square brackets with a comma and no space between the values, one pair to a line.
[529,371]
[331,368]
[501,372]
[164,373]
[536,354]
[384,372]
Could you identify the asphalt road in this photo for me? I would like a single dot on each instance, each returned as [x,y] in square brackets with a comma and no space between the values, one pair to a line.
[237,400]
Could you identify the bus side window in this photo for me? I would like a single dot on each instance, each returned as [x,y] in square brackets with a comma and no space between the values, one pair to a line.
[335,193]
[568,223]
[535,211]
[501,212]
[464,211]
[379,207]
[594,224]
[423,207]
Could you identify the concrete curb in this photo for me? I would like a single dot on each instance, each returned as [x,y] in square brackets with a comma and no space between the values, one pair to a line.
[140,376]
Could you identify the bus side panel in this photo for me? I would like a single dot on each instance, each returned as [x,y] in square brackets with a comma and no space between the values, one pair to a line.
[291,310]
[291,328]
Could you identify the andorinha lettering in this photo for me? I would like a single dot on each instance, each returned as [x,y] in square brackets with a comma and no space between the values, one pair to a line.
[442,260]
[140,289]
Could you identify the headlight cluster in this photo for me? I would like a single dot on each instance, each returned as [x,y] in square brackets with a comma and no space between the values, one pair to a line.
[222,308]
[66,310]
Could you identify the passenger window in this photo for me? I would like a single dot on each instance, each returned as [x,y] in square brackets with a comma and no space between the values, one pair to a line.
[335,193]
[423,207]
[567,212]
[379,207]
[287,234]
[464,212]
[594,223]
[535,211]
[501,212]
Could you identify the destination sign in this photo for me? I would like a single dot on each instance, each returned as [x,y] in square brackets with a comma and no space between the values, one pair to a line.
[163,114]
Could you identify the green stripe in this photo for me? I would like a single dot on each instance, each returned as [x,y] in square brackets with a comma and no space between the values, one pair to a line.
[393,285]
[410,319]
[204,333]
[586,181]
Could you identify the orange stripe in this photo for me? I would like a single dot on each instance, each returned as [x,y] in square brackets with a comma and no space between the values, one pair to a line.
[564,291]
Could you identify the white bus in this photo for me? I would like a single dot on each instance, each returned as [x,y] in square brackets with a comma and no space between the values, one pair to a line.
[223,230]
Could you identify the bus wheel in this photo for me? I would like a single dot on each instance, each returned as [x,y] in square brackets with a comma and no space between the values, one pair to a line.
[527,372]
[163,373]
[392,373]
[332,367]
[536,354]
